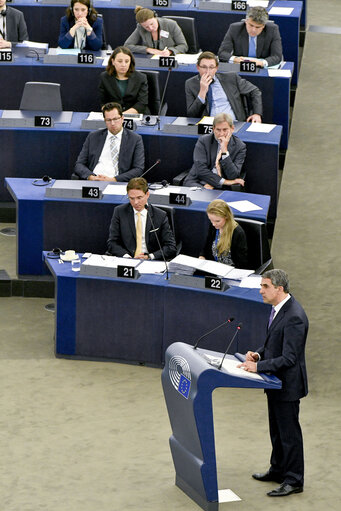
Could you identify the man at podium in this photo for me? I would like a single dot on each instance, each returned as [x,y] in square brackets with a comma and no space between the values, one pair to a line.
[283,355]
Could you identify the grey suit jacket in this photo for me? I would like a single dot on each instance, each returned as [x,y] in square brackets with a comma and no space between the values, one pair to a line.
[205,153]
[236,42]
[283,353]
[131,158]
[234,87]
[16,29]
[122,233]
[141,39]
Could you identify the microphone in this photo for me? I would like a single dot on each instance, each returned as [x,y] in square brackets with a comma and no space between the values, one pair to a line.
[211,331]
[230,344]
[150,168]
[162,99]
[154,230]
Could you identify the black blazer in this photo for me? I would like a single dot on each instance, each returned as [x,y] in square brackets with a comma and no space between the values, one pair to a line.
[234,87]
[204,156]
[130,161]
[122,233]
[136,95]
[238,246]
[283,352]
[236,42]
[16,29]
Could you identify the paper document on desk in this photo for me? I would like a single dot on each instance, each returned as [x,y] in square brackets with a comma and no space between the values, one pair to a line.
[238,274]
[32,44]
[284,11]
[95,116]
[279,72]
[152,267]
[105,61]
[187,58]
[166,190]
[256,3]
[252,282]
[244,205]
[115,190]
[230,366]
[67,51]
[261,127]
[110,261]
[186,265]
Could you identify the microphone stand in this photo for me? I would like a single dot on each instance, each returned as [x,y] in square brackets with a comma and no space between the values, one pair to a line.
[158,241]
[211,331]
[163,98]
[230,344]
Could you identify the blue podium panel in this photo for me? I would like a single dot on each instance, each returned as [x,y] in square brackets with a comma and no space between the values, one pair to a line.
[188,382]
[120,23]
[83,224]
[275,90]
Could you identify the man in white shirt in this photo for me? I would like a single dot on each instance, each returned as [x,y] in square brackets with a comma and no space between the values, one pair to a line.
[113,153]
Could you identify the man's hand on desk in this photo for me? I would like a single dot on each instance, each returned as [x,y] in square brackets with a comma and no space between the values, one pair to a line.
[251,367]
[237,181]
[208,187]
[238,60]
[101,177]
[254,118]
[4,43]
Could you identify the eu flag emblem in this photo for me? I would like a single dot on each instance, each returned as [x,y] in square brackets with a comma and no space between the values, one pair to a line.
[184,386]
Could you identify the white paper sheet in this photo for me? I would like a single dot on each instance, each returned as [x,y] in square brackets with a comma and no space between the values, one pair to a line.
[115,190]
[252,282]
[244,205]
[152,267]
[279,72]
[284,11]
[261,127]
[187,58]
[230,366]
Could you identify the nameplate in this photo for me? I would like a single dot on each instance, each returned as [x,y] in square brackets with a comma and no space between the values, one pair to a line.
[168,62]
[86,58]
[73,189]
[146,3]
[105,271]
[214,5]
[129,124]
[43,121]
[126,272]
[56,2]
[239,5]
[6,56]
[180,199]
[164,200]
[195,282]
[162,3]
[205,129]
[214,283]
[91,192]
[248,67]
[66,59]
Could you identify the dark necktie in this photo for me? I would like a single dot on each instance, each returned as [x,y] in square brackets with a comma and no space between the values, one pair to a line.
[271,318]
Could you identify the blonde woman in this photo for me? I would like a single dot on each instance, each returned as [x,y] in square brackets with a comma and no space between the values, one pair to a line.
[226,240]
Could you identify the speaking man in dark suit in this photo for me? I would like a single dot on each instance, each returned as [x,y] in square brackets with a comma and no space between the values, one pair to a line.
[12,26]
[218,157]
[210,93]
[283,355]
[134,227]
[112,154]
[255,39]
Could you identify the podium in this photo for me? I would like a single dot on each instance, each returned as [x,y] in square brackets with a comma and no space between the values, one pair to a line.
[188,380]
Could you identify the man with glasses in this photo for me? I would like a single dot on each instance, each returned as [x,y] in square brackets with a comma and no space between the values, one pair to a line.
[255,39]
[113,153]
[211,93]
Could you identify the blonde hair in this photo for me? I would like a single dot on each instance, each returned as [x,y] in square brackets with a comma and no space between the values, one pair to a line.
[221,208]
[143,14]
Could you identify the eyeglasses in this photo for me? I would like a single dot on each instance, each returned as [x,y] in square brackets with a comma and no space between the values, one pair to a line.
[208,68]
[114,119]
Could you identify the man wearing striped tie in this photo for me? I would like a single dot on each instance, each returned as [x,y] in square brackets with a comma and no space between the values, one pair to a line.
[135,227]
[113,153]
[283,355]
[255,38]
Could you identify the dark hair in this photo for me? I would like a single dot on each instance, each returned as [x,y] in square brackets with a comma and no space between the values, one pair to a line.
[144,14]
[138,183]
[110,69]
[92,13]
[278,278]
[110,106]
[207,55]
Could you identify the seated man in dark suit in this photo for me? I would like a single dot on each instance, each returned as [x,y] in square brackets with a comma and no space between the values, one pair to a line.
[255,39]
[134,227]
[209,93]
[218,157]
[113,153]
[12,26]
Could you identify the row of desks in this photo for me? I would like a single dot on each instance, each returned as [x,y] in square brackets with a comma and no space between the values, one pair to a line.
[53,151]
[44,223]
[136,320]
[120,23]
[79,87]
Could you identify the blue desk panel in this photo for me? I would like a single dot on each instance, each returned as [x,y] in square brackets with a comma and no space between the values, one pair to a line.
[120,23]
[135,320]
[79,87]
[83,224]
[54,151]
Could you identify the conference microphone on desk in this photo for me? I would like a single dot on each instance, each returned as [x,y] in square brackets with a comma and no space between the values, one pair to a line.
[211,331]
[230,344]
[154,230]
[150,168]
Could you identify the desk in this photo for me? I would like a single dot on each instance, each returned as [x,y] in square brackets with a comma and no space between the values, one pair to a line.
[78,98]
[83,224]
[54,152]
[211,25]
[135,320]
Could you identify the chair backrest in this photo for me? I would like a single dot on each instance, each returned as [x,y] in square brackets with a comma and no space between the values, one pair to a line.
[189,30]
[41,96]
[257,242]
[170,215]
[153,91]
[105,45]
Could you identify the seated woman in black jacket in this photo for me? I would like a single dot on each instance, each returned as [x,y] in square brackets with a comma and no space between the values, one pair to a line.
[81,27]
[226,240]
[120,83]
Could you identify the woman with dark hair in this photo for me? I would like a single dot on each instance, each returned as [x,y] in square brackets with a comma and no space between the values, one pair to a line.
[157,36]
[122,84]
[226,240]
[81,27]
